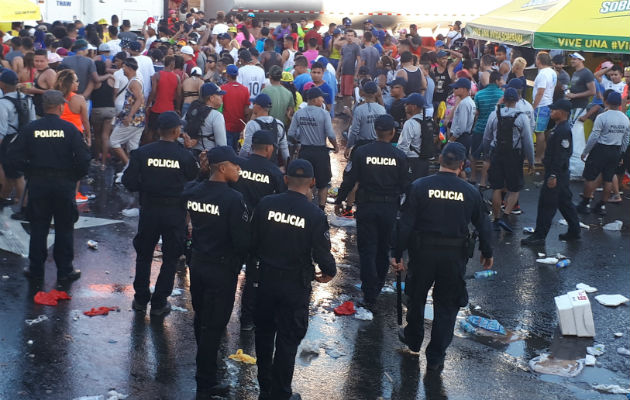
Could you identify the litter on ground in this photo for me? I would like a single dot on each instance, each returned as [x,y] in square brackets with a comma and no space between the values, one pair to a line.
[586,288]
[131,212]
[618,334]
[177,292]
[613,226]
[37,320]
[50,298]
[347,308]
[623,351]
[596,350]
[547,260]
[176,308]
[589,360]
[491,325]
[310,347]
[545,364]
[363,314]
[611,300]
[100,311]
[614,389]
[582,224]
[242,357]
[342,222]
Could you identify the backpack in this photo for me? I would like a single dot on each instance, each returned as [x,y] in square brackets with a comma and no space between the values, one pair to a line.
[505,131]
[195,118]
[22,108]
[427,133]
[273,127]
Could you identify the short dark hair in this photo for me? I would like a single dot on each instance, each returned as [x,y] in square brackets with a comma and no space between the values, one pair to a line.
[114,19]
[501,49]
[450,163]
[301,61]
[367,36]
[312,42]
[131,63]
[406,56]
[495,76]
[113,30]
[544,58]
[264,31]
[317,65]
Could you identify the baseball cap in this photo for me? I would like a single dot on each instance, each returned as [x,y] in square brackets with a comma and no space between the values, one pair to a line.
[558,59]
[102,21]
[516,83]
[347,21]
[461,83]
[152,25]
[232,29]
[337,31]
[187,50]
[286,76]
[80,44]
[208,89]
[263,100]
[263,136]
[52,98]
[300,168]
[368,21]
[614,99]
[135,46]
[370,87]
[510,94]
[314,93]
[561,104]
[53,58]
[251,14]
[224,36]
[307,86]
[317,23]
[439,43]
[384,122]
[169,120]
[219,154]
[275,72]
[231,70]
[398,82]
[577,55]
[442,53]
[454,151]
[103,47]
[196,71]
[416,99]
[9,77]
[61,51]
[171,11]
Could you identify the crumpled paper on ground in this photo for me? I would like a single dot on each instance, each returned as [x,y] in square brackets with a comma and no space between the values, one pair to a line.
[613,226]
[582,224]
[623,351]
[347,308]
[50,298]
[31,322]
[545,364]
[131,212]
[111,395]
[614,389]
[309,347]
[611,300]
[596,350]
[586,288]
[99,311]
[547,260]
[363,314]
[242,357]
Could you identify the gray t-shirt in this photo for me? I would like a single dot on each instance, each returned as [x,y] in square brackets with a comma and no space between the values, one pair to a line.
[579,80]
[370,56]
[82,66]
[214,125]
[564,79]
[253,126]
[311,126]
[521,135]
[610,128]
[363,122]
[349,54]
[526,108]
[464,117]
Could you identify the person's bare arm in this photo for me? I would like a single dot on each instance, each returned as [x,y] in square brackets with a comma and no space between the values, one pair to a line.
[136,90]
[538,97]
[78,102]
[485,79]
[154,83]
[590,91]
[179,95]
[601,72]
[17,64]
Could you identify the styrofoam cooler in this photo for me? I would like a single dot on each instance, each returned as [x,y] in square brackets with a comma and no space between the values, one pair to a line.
[574,314]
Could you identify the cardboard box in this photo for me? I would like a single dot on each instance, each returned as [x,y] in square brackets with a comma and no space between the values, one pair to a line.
[564,309]
[574,314]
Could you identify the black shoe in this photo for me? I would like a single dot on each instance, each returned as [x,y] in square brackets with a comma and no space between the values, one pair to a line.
[71,276]
[533,240]
[435,368]
[495,225]
[582,208]
[220,389]
[403,339]
[247,325]
[31,275]
[295,396]
[600,208]
[19,216]
[157,312]
[138,307]
[505,225]
[367,304]
[569,236]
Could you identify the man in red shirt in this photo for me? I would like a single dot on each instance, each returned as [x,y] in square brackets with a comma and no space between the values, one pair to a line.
[313,33]
[235,106]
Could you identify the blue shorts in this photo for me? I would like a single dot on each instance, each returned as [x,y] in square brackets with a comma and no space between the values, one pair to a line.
[542,114]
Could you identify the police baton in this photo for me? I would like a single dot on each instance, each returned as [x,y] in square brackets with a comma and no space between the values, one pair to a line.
[398,297]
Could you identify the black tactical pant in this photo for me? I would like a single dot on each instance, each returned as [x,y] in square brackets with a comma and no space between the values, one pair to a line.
[281,322]
[248,298]
[551,200]
[212,288]
[445,267]
[47,198]
[375,224]
[418,168]
[155,221]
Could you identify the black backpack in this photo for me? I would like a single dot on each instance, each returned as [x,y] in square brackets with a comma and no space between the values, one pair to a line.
[22,108]
[427,136]
[273,127]
[505,131]
[195,118]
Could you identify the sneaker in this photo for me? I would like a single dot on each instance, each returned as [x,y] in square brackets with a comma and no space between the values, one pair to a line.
[517,210]
[533,240]
[81,198]
[6,202]
[157,312]
[600,208]
[136,306]
[569,236]
[582,208]
[505,225]
[615,198]
[403,339]
[118,177]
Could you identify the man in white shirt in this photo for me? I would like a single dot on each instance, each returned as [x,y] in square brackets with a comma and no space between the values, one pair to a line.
[544,86]
[120,82]
[250,76]
[610,76]
[114,42]
[224,42]
[145,67]
[150,35]
[220,26]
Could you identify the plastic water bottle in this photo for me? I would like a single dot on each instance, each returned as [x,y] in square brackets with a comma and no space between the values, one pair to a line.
[467,326]
[485,274]
[563,263]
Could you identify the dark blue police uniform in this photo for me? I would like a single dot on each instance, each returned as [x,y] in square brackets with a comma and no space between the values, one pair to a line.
[289,233]
[220,238]
[54,156]
[259,177]
[159,172]
[433,225]
[381,171]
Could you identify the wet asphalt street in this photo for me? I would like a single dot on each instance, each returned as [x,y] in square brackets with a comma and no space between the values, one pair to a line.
[70,355]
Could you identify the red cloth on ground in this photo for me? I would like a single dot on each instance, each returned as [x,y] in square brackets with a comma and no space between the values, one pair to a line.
[100,311]
[346,308]
[50,298]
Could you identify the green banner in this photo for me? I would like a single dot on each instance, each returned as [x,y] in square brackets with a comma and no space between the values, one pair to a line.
[597,44]
[500,35]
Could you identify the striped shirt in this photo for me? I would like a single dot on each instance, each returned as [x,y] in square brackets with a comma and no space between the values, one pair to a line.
[486,101]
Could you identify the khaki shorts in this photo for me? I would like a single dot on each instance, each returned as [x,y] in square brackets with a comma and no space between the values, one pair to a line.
[126,135]
[100,114]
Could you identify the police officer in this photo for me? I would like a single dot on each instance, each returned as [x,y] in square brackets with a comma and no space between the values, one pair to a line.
[259,177]
[220,235]
[54,156]
[411,140]
[159,172]
[382,173]
[289,233]
[433,225]
[310,127]
[555,193]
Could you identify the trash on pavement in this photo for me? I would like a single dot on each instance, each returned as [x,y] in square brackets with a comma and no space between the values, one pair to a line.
[623,351]
[50,298]
[5,277]
[586,288]
[347,308]
[614,389]
[176,308]
[310,347]
[611,300]
[547,260]
[30,342]
[582,224]
[99,397]
[131,212]
[541,255]
[100,311]
[114,395]
[363,314]
[529,229]
[92,244]
[467,327]
[574,314]
[491,325]
[563,263]
[613,226]
[428,311]
[242,357]
[485,274]
[177,292]
[334,353]
[618,334]
[342,222]
[596,350]
[590,360]
[546,364]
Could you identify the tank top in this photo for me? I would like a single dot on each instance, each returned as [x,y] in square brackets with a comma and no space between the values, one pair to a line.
[37,98]
[166,90]
[273,59]
[290,62]
[414,81]
[103,96]
[69,116]
[442,82]
[335,54]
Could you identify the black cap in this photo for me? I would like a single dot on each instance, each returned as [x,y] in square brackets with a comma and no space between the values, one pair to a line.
[398,82]
[53,98]
[263,136]
[300,169]
[562,104]
[314,93]
[221,154]
[385,122]
[169,120]
[558,59]
[454,151]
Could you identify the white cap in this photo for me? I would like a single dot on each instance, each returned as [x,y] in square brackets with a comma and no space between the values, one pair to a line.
[577,55]
[103,47]
[91,47]
[187,50]
[196,71]
[54,57]
[195,10]
[153,26]
[6,37]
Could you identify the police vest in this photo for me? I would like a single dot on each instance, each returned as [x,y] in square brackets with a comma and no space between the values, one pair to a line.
[284,218]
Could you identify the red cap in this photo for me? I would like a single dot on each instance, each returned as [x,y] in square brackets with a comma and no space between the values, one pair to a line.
[150,20]
[318,23]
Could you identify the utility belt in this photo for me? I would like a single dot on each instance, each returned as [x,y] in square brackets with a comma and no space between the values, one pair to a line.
[422,240]
[496,152]
[160,201]
[303,274]
[366,197]
[51,173]
[214,261]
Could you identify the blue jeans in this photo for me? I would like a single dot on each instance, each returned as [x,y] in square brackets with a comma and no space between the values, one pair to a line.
[232,139]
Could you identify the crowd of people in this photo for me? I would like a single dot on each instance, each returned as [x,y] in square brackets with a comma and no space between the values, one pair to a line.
[270,94]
